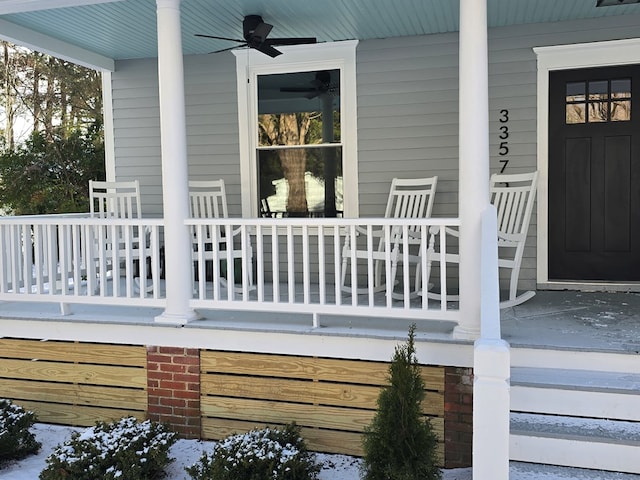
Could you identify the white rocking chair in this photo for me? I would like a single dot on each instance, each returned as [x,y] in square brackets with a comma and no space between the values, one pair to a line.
[208,199]
[513,195]
[408,198]
[115,200]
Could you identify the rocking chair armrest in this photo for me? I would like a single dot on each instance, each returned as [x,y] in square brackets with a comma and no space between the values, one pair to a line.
[435,230]
[514,238]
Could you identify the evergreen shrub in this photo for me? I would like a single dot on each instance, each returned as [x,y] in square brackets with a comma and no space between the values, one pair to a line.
[16,441]
[123,450]
[261,454]
[400,443]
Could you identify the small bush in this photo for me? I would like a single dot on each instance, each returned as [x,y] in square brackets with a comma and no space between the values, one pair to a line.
[267,454]
[123,450]
[400,443]
[16,441]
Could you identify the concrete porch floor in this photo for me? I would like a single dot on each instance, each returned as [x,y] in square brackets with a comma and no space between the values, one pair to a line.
[561,319]
[575,320]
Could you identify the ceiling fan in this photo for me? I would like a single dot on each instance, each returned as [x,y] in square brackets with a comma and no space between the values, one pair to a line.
[255,33]
[321,84]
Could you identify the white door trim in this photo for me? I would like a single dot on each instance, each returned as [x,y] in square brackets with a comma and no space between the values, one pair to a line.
[566,57]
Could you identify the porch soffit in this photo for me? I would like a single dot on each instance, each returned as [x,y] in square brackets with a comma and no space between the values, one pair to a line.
[126,29]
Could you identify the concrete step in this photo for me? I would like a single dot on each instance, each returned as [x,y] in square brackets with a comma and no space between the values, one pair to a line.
[584,393]
[531,471]
[599,444]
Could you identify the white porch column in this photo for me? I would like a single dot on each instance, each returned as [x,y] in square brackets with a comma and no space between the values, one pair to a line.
[175,176]
[474,158]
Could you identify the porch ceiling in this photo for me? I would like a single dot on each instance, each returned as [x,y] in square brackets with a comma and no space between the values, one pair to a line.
[127,28]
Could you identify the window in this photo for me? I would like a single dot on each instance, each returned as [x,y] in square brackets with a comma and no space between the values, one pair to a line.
[598,101]
[298,131]
[299,152]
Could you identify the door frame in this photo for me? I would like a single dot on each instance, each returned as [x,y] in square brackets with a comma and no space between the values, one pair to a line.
[569,57]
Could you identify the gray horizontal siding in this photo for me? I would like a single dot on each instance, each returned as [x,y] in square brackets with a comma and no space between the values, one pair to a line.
[212,125]
[407,113]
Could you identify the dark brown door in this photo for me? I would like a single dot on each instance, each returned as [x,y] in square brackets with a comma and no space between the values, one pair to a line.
[594,174]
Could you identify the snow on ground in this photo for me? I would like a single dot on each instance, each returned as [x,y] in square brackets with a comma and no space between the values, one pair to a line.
[335,467]
[186,453]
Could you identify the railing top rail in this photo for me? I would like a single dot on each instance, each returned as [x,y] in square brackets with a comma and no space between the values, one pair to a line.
[76,219]
[316,222]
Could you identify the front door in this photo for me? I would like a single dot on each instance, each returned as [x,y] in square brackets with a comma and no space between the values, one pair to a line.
[594,174]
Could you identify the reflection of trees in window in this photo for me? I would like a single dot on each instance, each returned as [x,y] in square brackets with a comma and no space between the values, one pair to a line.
[289,129]
[598,101]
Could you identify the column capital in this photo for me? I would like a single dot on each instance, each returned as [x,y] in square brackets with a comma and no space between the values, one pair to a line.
[168,3]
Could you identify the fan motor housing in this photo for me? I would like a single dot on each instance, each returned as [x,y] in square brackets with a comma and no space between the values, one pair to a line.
[249,25]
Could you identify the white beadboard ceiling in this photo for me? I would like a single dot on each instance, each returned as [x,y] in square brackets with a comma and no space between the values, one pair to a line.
[127,28]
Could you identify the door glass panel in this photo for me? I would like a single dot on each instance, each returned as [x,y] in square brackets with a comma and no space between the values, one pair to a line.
[598,112]
[575,92]
[598,90]
[621,88]
[621,111]
[299,144]
[575,113]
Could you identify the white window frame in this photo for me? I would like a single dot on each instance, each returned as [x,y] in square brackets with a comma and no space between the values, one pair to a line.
[323,56]
[567,57]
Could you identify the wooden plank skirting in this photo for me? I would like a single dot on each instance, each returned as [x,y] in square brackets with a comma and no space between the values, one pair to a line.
[211,394]
[332,400]
[74,383]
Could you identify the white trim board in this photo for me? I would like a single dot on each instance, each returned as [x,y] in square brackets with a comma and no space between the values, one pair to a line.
[51,46]
[16,6]
[447,353]
[566,57]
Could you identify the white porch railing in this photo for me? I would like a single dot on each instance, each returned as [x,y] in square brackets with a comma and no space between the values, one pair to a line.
[286,265]
[75,259]
[301,266]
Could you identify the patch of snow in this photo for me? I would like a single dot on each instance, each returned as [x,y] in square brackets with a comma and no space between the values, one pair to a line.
[186,453]
[334,467]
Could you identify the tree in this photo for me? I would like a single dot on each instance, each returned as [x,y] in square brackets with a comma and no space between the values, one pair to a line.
[400,444]
[51,175]
[48,172]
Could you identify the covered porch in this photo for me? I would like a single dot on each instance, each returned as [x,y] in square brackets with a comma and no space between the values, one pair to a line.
[279,300]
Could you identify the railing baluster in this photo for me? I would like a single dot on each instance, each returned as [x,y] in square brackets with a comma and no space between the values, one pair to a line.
[260,260]
[389,280]
[291,283]
[337,274]
[246,247]
[306,276]
[51,263]
[443,269]
[322,260]
[406,283]
[275,263]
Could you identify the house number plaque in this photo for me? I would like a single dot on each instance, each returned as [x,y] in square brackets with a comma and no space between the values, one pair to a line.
[503,149]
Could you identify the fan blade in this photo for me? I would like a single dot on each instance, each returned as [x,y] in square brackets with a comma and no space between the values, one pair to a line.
[230,48]
[290,41]
[268,50]
[220,38]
